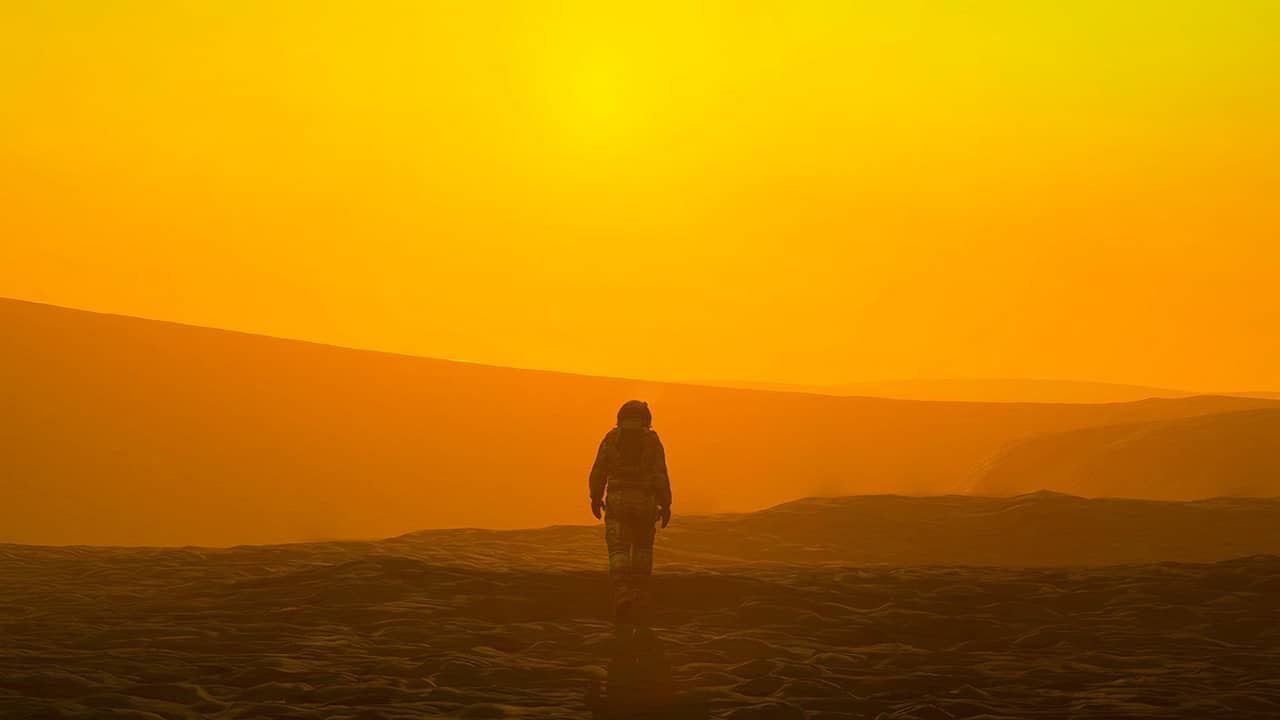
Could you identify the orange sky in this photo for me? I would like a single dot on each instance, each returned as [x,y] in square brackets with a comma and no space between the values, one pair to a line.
[794,192]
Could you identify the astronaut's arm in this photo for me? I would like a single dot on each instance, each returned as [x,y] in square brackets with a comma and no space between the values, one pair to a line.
[599,472]
[661,480]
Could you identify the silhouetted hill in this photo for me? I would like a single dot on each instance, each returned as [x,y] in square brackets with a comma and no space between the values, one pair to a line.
[1041,528]
[1037,529]
[1223,454]
[119,430]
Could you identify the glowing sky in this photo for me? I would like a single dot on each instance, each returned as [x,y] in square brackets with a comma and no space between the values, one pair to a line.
[799,192]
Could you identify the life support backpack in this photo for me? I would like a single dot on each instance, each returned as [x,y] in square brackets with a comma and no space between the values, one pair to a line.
[632,448]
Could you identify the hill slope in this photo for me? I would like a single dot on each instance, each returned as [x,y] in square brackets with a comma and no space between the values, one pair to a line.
[1225,454]
[126,431]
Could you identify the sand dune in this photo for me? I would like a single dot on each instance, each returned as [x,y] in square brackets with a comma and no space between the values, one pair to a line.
[1254,393]
[516,624]
[126,431]
[1015,390]
[1227,454]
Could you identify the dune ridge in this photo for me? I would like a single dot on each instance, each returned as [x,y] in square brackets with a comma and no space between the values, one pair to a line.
[1016,390]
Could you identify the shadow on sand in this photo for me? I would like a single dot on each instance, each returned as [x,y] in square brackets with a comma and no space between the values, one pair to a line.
[638,682]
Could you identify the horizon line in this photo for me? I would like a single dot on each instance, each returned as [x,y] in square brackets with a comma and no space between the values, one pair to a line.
[737,384]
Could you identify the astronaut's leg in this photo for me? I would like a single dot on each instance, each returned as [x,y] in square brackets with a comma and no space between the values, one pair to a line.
[617,541]
[617,534]
[642,534]
[642,552]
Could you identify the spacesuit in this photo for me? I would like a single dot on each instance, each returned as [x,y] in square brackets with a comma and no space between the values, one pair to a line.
[629,483]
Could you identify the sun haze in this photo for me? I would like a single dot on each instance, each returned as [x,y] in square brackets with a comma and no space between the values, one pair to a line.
[789,192]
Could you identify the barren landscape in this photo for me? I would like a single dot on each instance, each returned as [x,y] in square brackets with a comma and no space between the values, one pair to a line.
[793,612]
[639,361]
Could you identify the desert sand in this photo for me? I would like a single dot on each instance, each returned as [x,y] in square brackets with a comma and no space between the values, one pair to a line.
[794,612]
